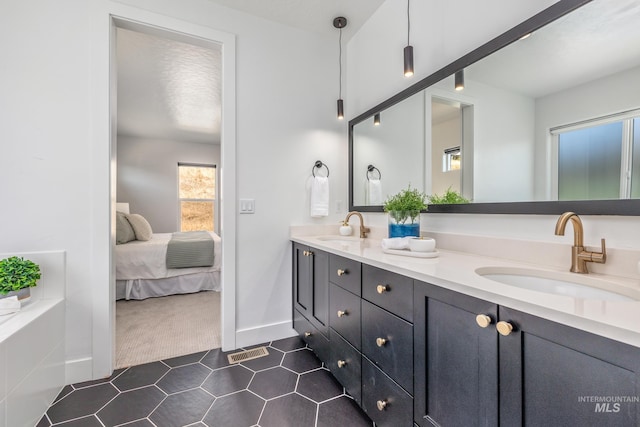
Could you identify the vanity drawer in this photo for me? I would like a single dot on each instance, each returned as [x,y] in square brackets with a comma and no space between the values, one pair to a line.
[386,403]
[388,290]
[311,335]
[346,365]
[387,340]
[344,314]
[345,273]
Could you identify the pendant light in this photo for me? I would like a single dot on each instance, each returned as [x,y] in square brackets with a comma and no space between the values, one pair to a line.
[408,51]
[459,80]
[340,22]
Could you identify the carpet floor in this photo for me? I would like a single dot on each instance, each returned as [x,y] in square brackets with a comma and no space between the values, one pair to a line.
[165,327]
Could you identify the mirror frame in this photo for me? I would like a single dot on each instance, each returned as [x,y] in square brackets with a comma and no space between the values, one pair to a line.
[584,207]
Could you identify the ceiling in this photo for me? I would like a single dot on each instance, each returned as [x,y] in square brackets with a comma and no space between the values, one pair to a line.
[170,90]
[577,48]
[312,15]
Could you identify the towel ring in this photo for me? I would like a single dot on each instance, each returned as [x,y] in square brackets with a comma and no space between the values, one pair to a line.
[372,168]
[318,165]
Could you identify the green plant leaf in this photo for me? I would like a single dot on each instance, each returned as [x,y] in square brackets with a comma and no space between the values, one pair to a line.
[17,273]
[406,205]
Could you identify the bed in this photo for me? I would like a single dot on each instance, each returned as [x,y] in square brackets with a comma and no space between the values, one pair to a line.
[141,270]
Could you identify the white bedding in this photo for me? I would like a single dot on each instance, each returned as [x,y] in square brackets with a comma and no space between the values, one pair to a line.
[147,259]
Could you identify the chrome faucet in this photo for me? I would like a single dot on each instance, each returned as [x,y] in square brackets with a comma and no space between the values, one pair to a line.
[363,230]
[579,256]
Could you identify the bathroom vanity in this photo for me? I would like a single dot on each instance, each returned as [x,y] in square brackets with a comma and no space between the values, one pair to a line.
[432,343]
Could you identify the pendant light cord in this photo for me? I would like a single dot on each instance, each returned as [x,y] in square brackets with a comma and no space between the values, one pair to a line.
[340,64]
[408,23]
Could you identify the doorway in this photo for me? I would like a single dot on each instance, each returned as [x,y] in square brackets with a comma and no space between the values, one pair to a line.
[189,33]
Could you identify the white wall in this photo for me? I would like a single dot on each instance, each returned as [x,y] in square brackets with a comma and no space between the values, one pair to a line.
[440,33]
[396,144]
[148,178]
[613,94]
[56,149]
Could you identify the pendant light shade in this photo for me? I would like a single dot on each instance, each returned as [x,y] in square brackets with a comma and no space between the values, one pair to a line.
[408,61]
[376,119]
[408,50]
[340,22]
[459,80]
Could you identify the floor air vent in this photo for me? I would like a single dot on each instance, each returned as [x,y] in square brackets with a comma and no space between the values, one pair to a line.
[243,356]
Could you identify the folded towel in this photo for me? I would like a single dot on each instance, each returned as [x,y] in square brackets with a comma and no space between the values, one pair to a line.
[9,305]
[320,196]
[396,242]
[374,192]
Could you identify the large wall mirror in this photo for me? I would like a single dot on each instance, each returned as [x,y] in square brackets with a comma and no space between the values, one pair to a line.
[548,121]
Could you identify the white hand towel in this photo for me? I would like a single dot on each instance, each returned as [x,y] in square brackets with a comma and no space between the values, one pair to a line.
[396,242]
[374,191]
[320,196]
[9,305]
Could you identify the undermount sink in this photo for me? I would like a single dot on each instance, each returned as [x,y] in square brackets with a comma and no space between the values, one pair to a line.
[340,239]
[566,284]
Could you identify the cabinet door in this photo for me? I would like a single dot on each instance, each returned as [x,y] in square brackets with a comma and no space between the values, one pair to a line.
[387,341]
[311,285]
[345,365]
[302,286]
[555,375]
[455,359]
[320,279]
[344,314]
[384,401]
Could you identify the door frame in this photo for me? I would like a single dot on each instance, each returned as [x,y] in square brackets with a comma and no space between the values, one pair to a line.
[104,132]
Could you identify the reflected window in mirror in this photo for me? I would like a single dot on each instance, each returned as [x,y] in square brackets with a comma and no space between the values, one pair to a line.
[596,159]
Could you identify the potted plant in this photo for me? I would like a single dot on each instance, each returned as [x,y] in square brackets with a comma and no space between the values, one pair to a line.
[17,275]
[450,197]
[404,212]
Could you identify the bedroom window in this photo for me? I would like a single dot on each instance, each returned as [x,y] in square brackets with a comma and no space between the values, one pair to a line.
[197,196]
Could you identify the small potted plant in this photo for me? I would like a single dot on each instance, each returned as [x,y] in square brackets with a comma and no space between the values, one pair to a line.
[404,212]
[450,197]
[17,275]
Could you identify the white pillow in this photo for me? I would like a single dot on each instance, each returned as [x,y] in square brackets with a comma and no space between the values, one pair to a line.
[124,230]
[141,226]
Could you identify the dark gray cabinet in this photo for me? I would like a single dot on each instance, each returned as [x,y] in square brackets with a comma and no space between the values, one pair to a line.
[555,375]
[456,360]
[540,373]
[412,353]
[387,340]
[311,292]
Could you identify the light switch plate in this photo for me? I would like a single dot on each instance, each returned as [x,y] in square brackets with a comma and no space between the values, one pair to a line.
[247,206]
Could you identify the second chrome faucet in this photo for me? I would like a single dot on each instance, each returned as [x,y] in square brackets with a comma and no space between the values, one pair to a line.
[579,256]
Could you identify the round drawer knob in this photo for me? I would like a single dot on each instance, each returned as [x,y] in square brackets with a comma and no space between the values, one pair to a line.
[307,334]
[380,342]
[341,363]
[483,320]
[382,289]
[341,272]
[382,405]
[342,313]
[504,328]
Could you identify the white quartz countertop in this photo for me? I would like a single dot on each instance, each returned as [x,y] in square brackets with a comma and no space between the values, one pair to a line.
[618,320]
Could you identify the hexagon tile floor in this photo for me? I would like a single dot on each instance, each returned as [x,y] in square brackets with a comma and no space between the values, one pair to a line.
[289,387]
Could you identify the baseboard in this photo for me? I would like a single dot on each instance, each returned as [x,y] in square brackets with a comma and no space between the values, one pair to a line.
[78,370]
[275,331]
